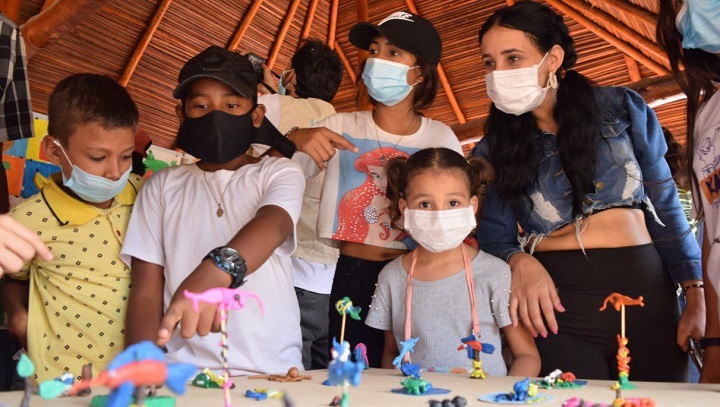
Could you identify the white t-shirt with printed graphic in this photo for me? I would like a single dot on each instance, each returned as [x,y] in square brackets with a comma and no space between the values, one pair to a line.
[353,206]
[706,165]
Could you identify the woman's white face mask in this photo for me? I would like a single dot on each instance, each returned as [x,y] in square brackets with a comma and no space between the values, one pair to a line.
[516,91]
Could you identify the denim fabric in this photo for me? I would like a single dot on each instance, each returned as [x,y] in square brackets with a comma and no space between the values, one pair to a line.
[631,171]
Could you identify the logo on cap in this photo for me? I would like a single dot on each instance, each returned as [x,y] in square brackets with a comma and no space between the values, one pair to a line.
[398,15]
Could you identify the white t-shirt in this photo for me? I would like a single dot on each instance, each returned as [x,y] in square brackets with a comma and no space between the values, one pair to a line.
[706,165]
[174,224]
[353,206]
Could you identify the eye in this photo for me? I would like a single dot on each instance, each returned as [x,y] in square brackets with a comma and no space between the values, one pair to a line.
[454,203]
[489,63]
[127,157]
[232,105]
[394,53]
[199,106]
[513,58]
[424,205]
[97,158]
[373,51]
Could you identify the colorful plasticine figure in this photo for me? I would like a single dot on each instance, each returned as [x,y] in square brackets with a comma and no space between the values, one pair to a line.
[557,379]
[406,347]
[627,402]
[226,299]
[360,353]
[416,386]
[474,347]
[25,368]
[343,372]
[620,301]
[522,390]
[133,377]
[457,401]
[410,370]
[262,394]
[209,380]
[345,307]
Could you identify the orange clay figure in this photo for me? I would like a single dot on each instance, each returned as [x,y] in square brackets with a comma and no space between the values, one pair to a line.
[619,302]
[292,375]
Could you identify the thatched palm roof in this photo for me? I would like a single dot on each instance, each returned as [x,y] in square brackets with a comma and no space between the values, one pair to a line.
[143,43]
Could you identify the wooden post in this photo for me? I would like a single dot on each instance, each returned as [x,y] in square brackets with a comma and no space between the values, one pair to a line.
[312,8]
[144,42]
[281,35]
[443,79]
[361,7]
[607,36]
[333,23]
[47,4]
[633,68]
[46,27]
[346,62]
[11,8]
[244,25]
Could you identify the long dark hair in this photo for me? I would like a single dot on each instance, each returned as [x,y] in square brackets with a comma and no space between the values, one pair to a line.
[510,138]
[701,70]
[478,174]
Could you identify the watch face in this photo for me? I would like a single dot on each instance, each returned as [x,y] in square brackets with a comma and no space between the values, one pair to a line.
[228,254]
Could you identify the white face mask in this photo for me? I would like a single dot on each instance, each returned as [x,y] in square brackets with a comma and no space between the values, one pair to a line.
[439,231]
[516,91]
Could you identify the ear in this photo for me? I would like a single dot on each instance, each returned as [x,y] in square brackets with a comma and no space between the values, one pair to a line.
[51,150]
[556,56]
[179,112]
[475,202]
[258,114]
[402,205]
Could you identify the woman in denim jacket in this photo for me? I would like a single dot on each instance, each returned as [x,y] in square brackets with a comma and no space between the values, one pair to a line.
[581,170]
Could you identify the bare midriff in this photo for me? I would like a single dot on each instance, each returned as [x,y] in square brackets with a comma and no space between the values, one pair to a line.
[611,228]
[368,252]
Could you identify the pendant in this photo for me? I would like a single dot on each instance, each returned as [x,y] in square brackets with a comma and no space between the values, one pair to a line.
[219,212]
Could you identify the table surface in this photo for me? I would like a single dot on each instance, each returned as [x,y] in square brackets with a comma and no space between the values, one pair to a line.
[375,390]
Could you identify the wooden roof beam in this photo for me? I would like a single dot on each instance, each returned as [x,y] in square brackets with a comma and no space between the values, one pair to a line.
[47,4]
[656,91]
[144,42]
[361,7]
[443,78]
[633,10]
[244,25]
[48,26]
[332,27]
[633,68]
[11,8]
[281,35]
[346,62]
[609,37]
[627,34]
[309,17]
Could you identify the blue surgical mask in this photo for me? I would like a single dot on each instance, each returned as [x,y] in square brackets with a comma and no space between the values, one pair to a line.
[699,23]
[386,81]
[282,87]
[92,188]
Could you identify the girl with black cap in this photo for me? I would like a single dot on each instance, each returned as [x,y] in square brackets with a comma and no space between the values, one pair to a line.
[401,77]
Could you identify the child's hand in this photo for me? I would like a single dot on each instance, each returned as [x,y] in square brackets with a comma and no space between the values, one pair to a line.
[18,245]
[204,277]
[320,143]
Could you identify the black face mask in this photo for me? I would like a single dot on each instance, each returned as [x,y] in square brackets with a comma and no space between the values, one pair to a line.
[219,137]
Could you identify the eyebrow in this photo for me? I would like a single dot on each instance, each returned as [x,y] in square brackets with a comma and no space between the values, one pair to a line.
[199,94]
[505,52]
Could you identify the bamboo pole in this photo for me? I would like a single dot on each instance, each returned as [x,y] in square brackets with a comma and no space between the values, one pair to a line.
[510,2]
[11,9]
[443,78]
[333,23]
[633,11]
[312,8]
[626,33]
[346,62]
[633,68]
[607,36]
[144,42]
[281,35]
[244,25]
[46,27]
[47,4]
[656,91]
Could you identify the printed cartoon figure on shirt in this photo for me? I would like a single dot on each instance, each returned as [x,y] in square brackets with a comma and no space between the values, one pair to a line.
[362,209]
[710,183]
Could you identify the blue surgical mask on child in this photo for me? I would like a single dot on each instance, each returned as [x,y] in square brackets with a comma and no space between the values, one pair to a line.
[699,23]
[386,81]
[282,87]
[89,187]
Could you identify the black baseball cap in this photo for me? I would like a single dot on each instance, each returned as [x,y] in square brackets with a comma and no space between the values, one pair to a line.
[218,63]
[405,30]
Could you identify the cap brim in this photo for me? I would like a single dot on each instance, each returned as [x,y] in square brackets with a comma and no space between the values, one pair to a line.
[231,81]
[361,34]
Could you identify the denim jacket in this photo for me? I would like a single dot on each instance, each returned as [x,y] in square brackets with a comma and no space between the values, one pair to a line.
[631,171]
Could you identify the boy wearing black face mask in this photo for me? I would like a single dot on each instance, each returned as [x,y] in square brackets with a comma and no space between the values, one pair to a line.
[227,219]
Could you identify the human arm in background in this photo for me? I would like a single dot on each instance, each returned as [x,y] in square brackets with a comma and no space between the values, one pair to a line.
[18,245]
[145,303]
[711,360]
[15,295]
[526,359]
[390,351]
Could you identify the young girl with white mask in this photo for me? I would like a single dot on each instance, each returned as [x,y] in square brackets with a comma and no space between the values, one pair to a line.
[445,290]
[581,170]
[401,77]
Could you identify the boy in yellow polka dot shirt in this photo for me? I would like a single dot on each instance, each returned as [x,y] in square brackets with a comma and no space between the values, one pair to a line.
[70,310]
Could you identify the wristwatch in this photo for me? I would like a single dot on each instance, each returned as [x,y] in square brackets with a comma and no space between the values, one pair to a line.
[230,261]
